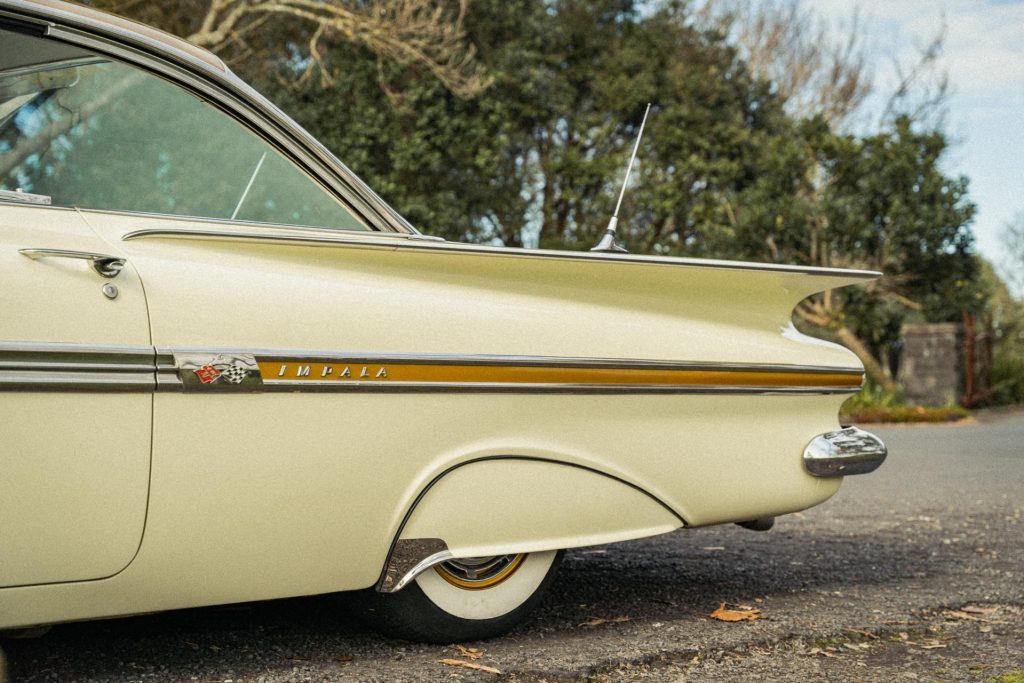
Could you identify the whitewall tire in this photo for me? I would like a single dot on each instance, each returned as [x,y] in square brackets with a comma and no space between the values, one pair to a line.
[463,600]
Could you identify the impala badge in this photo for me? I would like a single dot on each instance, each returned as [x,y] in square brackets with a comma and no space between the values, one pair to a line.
[225,371]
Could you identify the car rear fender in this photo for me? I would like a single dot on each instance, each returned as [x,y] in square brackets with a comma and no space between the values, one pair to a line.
[503,505]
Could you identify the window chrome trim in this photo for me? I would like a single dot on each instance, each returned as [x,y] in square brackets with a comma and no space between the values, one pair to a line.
[256,231]
[18,197]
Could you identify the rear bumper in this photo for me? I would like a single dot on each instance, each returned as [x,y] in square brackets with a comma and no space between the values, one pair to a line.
[843,452]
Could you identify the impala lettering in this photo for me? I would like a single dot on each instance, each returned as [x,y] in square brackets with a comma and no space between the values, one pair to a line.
[327,372]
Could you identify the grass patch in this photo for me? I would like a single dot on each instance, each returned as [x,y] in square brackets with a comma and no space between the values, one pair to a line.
[905,414]
[872,404]
[1012,677]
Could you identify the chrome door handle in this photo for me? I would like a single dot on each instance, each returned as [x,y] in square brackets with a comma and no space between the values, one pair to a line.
[104,264]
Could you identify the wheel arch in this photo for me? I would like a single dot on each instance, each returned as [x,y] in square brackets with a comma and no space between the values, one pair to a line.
[531,513]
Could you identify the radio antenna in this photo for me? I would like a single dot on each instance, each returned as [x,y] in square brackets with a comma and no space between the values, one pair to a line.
[608,243]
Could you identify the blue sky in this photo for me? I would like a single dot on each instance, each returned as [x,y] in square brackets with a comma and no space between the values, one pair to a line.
[984,57]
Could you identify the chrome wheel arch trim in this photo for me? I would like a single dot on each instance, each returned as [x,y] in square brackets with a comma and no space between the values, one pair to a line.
[163,56]
[407,558]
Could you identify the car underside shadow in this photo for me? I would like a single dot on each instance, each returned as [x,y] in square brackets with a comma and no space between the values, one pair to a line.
[679,575]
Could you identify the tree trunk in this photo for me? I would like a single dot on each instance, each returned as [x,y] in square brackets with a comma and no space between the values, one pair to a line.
[871,366]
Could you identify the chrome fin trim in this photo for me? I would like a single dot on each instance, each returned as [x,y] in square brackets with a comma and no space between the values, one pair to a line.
[417,241]
[844,452]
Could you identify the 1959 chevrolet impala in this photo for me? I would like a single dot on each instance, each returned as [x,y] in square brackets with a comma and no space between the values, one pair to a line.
[230,372]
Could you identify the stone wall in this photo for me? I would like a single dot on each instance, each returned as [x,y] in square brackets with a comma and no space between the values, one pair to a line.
[930,371]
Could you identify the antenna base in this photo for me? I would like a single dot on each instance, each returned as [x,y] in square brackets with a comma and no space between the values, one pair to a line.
[609,245]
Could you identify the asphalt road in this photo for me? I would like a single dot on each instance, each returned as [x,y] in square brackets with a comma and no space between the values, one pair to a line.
[915,572]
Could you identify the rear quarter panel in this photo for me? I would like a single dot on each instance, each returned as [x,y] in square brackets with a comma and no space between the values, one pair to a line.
[265,495]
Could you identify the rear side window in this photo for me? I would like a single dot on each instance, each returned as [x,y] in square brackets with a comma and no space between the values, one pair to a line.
[97,134]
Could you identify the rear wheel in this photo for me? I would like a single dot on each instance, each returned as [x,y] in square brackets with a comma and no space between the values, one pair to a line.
[464,599]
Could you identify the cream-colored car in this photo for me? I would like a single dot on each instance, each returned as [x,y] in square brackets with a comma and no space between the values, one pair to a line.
[230,372]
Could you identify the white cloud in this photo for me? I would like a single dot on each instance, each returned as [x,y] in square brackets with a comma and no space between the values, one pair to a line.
[984,41]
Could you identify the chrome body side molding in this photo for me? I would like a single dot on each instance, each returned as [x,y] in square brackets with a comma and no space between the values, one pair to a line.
[843,452]
[46,366]
[26,366]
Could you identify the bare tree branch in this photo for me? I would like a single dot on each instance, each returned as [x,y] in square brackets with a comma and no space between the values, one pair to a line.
[421,32]
[1012,238]
[815,69]
[922,88]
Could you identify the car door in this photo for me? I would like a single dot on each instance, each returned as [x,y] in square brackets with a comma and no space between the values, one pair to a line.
[225,500]
[75,401]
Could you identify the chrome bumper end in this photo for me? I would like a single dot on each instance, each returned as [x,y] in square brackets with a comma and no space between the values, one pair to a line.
[843,452]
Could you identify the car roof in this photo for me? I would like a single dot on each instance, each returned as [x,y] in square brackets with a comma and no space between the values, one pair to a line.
[129,29]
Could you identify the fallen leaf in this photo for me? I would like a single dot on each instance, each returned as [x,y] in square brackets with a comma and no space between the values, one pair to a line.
[598,621]
[469,665]
[470,652]
[866,634]
[343,658]
[742,613]
[980,610]
[957,614]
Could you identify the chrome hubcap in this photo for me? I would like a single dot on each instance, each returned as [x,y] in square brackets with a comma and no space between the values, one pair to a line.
[475,573]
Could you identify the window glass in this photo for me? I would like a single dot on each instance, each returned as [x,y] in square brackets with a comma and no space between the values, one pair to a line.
[101,135]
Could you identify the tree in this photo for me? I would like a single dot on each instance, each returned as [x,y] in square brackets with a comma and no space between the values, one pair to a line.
[820,69]
[425,33]
[814,69]
[1012,238]
[539,159]
[880,202]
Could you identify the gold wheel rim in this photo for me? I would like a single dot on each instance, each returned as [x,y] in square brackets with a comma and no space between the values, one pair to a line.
[464,573]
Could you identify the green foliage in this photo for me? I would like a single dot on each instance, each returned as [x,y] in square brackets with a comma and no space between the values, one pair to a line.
[875,404]
[1007,316]
[872,396]
[1010,677]
[539,157]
